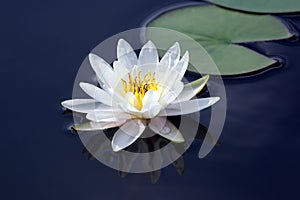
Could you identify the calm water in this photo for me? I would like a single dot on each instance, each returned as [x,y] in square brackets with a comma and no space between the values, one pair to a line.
[42,46]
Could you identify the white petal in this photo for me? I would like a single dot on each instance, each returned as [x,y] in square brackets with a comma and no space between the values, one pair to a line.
[182,65]
[103,71]
[148,54]
[127,134]
[116,96]
[115,114]
[144,69]
[151,110]
[191,89]
[166,129]
[161,74]
[132,100]
[148,111]
[168,98]
[176,73]
[120,69]
[159,70]
[81,105]
[171,57]
[187,107]
[96,93]
[128,108]
[126,55]
[92,126]
[150,96]
[175,88]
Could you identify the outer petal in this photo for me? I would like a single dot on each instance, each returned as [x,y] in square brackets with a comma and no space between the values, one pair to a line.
[92,126]
[127,134]
[187,107]
[81,105]
[126,55]
[112,115]
[166,129]
[169,95]
[176,73]
[176,88]
[167,99]
[103,71]
[116,96]
[191,89]
[182,65]
[96,93]
[148,54]
[171,58]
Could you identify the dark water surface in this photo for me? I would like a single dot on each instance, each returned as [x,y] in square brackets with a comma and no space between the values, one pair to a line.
[42,46]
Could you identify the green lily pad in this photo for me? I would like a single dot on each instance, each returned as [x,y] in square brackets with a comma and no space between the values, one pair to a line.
[220,31]
[261,6]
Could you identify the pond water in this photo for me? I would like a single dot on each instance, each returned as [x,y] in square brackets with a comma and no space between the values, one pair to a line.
[43,44]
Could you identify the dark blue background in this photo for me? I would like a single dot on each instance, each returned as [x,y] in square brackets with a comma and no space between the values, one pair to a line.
[42,46]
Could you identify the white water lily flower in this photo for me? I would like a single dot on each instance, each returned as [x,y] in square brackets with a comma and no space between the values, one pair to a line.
[137,92]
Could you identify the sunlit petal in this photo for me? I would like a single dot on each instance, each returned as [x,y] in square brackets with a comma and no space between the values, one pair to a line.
[93,126]
[119,68]
[181,66]
[150,96]
[126,56]
[151,110]
[81,105]
[96,93]
[187,107]
[175,88]
[148,54]
[132,100]
[192,89]
[171,57]
[103,71]
[114,114]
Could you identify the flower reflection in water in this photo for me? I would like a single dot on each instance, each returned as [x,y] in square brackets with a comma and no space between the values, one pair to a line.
[154,142]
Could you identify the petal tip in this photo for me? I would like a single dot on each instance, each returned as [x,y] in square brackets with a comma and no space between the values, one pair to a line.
[206,78]
[116,148]
[176,44]
[186,55]
[215,100]
[92,56]
[150,43]
[64,103]
[122,42]
[82,84]
[180,139]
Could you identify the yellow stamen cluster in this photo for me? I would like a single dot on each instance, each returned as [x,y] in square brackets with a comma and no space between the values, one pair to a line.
[139,86]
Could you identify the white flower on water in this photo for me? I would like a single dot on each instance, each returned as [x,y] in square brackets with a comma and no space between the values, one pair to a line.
[139,91]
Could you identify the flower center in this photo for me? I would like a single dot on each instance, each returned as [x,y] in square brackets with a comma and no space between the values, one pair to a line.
[139,86]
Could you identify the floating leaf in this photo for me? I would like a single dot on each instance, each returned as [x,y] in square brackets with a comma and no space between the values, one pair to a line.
[220,31]
[261,6]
